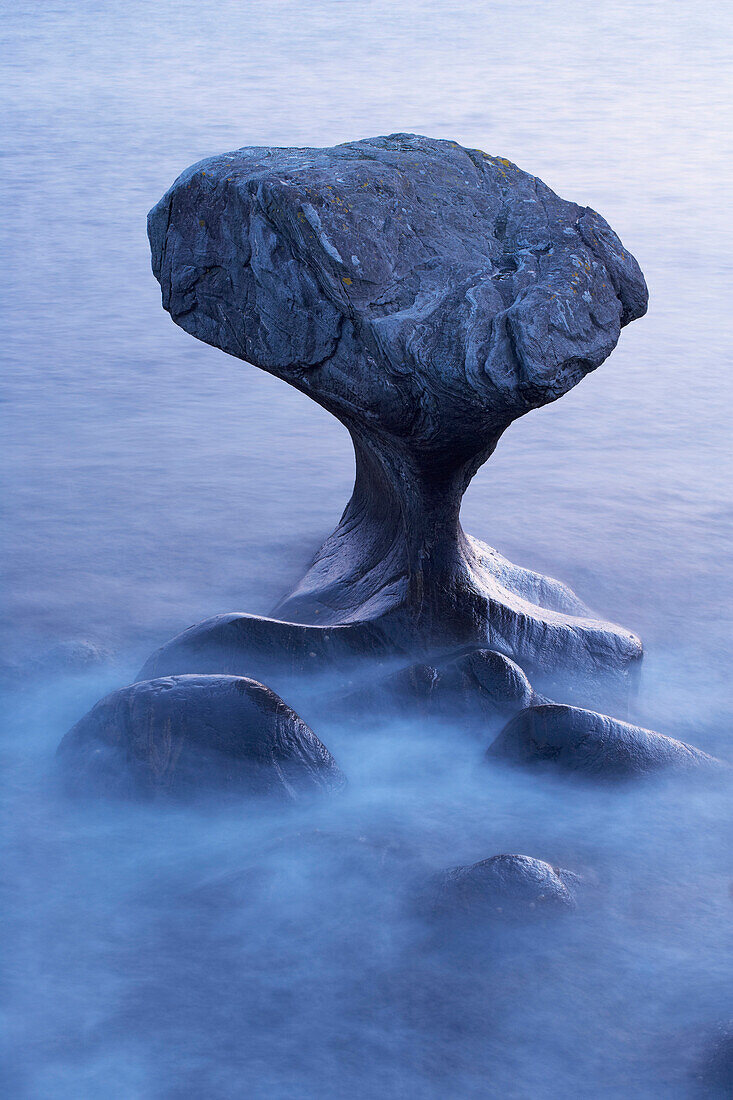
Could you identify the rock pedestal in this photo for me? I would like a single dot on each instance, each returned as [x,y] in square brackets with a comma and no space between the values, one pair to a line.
[427,295]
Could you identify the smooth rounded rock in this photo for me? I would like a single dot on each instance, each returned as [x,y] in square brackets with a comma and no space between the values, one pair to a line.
[184,735]
[478,684]
[577,740]
[503,887]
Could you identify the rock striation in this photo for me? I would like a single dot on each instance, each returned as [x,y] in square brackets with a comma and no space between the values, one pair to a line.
[187,735]
[427,295]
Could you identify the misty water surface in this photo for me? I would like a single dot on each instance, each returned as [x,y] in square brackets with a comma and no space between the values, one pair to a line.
[150,481]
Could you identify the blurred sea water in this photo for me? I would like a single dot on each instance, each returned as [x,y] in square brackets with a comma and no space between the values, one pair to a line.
[150,481]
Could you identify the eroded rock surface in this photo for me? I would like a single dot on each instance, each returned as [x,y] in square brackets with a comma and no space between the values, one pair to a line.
[186,735]
[427,295]
[576,740]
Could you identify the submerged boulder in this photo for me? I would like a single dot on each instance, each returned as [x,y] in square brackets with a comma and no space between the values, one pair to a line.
[183,735]
[715,1073]
[503,887]
[582,741]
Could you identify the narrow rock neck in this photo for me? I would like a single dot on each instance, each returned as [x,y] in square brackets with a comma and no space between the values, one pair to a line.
[399,546]
[410,505]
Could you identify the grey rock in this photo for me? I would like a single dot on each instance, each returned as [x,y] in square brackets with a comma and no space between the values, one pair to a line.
[427,295]
[475,684]
[187,735]
[577,740]
[503,887]
[237,643]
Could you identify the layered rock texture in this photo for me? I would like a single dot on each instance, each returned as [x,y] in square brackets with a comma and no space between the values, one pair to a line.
[186,735]
[427,295]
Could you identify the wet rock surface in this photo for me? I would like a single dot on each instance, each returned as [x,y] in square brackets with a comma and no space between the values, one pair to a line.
[188,735]
[504,887]
[427,295]
[239,644]
[474,685]
[575,740]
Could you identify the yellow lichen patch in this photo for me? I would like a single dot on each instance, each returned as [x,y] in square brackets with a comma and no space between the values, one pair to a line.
[202,223]
[346,280]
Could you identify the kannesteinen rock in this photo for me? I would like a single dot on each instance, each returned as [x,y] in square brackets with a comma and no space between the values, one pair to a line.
[427,295]
[186,735]
[577,740]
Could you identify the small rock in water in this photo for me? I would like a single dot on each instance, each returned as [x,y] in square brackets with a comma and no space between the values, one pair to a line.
[182,735]
[475,683]
[503,887]
[578,740]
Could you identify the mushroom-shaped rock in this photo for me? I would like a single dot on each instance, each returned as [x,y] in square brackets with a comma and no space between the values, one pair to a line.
[596,745]
[185,735]
[503,887]
[427,295]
